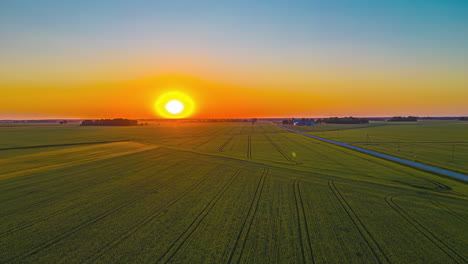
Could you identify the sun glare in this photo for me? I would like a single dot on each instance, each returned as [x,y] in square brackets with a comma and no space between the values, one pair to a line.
[174,107]
[174,104]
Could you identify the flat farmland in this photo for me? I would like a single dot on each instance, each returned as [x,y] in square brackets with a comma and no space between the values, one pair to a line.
[174,192]
[440,143]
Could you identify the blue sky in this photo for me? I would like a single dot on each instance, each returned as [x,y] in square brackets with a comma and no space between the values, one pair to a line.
[313,46]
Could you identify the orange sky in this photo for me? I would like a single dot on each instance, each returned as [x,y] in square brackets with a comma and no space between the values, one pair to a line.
[135,99]
[237,59]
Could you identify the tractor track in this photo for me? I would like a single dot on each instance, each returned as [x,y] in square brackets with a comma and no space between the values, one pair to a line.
[437,184]
[57,197]
[449,251]
[77,228]
[176,245]
[365,233]
[279,149]
[303,229]
[239,245]
[15,183]
[221,148]
[66,144]
[133,186]
[249,147]
[450,211]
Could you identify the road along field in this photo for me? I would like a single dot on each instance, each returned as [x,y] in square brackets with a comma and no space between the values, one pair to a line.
[440,143]
[217,193]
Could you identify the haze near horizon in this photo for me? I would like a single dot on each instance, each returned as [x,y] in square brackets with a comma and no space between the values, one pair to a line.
[67,59]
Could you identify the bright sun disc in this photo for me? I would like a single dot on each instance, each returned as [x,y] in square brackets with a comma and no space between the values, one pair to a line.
[174,104]
[174,107]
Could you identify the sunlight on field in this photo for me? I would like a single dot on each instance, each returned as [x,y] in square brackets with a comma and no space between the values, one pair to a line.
[218,193]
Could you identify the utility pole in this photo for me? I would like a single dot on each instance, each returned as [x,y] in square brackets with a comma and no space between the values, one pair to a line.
[368,138]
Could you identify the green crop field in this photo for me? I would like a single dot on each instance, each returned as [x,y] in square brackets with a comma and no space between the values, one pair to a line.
[440,143]
[176,192]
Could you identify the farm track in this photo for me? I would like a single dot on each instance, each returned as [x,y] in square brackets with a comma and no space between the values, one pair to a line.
[204,142]
[15,183]
[356,172]
[221,148]
[279,149]
[396,159]
[230,131]
[176,245]
[450,211]
[79,227]
[143,222]
[449,251]
[134,186]
[188,141]
[303,229]
[249,147]
[242,130]
[65,144]
[438,185]
[58,197]
[365,233]
[241,240]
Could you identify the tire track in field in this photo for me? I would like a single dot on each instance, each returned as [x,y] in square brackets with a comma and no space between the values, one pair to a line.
[242,130]
[450,211]
[436,183]
[65,144]
[249,147]
[279,149]
[118,240]
[58,197]
[355,171]
[204,142]
[365,234]
[221,148]
[133,186]
[180,241]
[303,229]
[230,131]
[77,228]
[241,239]
[449,251]
[15,183]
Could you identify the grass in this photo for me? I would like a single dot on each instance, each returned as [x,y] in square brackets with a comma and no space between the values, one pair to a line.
[219,193]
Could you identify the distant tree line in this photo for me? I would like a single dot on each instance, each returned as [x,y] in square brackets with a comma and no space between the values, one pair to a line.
[403,119]
[110,122]
[463,118]
[343,120]
[299,121]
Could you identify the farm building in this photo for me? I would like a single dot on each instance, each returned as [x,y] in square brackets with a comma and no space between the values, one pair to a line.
[303,122]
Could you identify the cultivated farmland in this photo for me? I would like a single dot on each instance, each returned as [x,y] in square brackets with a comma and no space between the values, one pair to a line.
[177,192]
[440,143]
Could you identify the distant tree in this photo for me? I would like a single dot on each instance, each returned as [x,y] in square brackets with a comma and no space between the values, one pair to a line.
[110,122]
[403,119]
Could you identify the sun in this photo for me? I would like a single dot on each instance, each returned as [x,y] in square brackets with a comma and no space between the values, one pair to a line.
[174,107]
[174,104]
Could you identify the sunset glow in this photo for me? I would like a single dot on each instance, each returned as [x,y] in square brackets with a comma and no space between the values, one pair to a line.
[174,107]
[174,104]
[107,59]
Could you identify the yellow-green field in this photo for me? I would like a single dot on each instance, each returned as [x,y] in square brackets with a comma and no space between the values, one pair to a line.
[440,143]
[225,193]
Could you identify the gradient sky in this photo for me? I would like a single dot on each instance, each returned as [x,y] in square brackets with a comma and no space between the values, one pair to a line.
[104,59]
